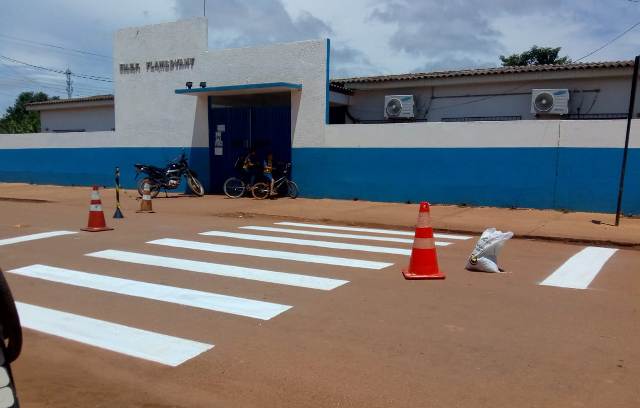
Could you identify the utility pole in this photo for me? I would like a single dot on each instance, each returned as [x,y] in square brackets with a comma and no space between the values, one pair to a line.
[632,100]
[204,7]
[67,73]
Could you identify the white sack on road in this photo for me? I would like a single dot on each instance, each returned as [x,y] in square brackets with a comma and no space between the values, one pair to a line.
[484,257]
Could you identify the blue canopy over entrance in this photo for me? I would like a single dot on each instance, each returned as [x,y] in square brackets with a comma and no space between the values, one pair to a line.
[265,87]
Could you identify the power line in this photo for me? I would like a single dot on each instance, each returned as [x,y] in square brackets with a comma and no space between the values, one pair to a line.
[609,42]
[85,76]
[83,52]
[12,79]
[57,87]
[23,83]
[50,90]
[19,75]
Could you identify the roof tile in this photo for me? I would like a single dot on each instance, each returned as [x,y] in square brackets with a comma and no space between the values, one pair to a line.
[93,98]
[486,71]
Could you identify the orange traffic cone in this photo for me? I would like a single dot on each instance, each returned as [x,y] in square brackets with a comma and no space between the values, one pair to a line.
[96,216]
[424,260]
[145,203]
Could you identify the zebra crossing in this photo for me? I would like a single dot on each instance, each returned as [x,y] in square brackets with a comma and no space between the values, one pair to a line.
[173,351]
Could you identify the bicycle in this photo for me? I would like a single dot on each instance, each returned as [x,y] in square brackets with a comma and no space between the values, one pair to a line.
[262,190]
[236,187]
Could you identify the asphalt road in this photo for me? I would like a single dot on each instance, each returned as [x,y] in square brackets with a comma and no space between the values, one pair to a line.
[472,340]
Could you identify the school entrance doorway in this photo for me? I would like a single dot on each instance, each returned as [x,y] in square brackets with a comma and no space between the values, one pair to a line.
[234,131]
[243,118]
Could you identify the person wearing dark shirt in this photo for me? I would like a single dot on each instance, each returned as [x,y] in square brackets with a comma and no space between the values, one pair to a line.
[249,166]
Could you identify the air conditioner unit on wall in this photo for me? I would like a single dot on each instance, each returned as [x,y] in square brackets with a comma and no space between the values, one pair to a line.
[398,106]
[550,101]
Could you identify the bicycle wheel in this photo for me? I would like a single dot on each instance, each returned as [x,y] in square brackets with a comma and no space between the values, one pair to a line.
[261,191]
[234,187]
[292,189]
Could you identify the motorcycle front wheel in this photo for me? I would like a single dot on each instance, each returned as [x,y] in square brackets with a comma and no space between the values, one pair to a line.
[153,186]
[195,185]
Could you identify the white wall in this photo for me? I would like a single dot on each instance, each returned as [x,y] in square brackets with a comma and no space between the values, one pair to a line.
[62,140]
[525,133]
[147,109]
[368,104]
[300,63]
[94,119]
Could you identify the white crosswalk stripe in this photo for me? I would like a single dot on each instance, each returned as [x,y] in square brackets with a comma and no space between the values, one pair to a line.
[370,230]
[291,279]
[147,345]
[266,253]
[204,300]
[581,269]
[327,234]
[33,237]
[308,242]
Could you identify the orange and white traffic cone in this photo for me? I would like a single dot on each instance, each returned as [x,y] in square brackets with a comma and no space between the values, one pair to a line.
[145,203]
[424,260]
[96,215]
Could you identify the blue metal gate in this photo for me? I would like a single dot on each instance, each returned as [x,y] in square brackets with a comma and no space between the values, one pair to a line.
[233,132]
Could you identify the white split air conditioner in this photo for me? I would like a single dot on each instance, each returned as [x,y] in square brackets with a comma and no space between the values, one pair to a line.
[398,106]
[550,101]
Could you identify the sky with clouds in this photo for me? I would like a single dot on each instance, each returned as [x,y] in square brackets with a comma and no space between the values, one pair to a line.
[369,37]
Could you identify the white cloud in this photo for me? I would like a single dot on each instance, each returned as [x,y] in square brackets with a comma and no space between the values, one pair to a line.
[234,23]
[368,36]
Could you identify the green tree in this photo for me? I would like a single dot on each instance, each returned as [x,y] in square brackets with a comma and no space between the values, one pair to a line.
[17,119]
[535,56]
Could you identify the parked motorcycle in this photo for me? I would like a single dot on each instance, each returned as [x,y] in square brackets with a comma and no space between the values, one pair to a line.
[169,177]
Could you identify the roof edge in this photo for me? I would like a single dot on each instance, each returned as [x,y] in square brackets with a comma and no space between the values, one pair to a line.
[487,72]
[93,98]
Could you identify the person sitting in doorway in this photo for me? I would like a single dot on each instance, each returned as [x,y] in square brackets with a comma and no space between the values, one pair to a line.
[267,167]
[249,166]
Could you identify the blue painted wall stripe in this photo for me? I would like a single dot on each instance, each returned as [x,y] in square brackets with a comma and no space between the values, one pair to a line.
[88,166]
[582,179]
[586,180]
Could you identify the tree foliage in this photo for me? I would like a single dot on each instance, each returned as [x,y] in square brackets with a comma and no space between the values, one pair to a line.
[17,119]
[535,56]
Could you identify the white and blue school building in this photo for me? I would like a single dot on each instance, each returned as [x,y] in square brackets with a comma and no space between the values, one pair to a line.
[540,137]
